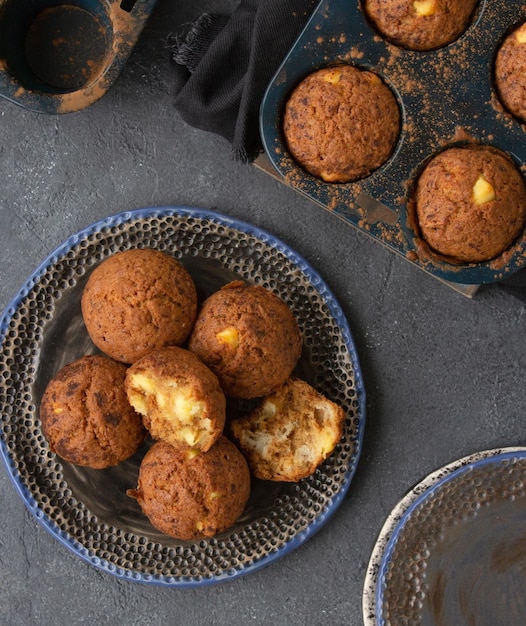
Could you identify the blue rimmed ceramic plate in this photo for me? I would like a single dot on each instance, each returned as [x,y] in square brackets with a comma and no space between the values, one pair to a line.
[88,510]
[453,551]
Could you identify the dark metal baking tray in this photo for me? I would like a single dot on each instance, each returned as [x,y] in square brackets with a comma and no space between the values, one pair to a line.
[446,96]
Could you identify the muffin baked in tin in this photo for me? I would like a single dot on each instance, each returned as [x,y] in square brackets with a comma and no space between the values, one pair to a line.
[510,72]
[420,24]
[470,203]
[341,123]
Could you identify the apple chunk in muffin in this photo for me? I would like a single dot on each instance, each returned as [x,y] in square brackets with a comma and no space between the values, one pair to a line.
[179,398]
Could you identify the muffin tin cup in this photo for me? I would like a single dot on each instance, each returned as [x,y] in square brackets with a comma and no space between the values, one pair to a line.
[61,57]
[446,97]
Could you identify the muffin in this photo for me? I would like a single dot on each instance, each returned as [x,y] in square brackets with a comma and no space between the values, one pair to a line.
[420,24]
[341,123]
[290,433]
[510,72]
[470,203]
[136,301]
[190,495]
[86,416]
[179,398]
[248,337]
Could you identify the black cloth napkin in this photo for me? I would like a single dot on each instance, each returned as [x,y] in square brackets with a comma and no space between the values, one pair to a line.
[226,62]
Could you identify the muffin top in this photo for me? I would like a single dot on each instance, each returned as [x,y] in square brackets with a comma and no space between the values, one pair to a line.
[190,496]
[248,337]
[470,203]
[138,300]
[341,123]
[420,24]
[86,416]
[510,72]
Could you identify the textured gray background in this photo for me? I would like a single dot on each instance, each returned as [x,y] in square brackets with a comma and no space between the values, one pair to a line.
[444,374]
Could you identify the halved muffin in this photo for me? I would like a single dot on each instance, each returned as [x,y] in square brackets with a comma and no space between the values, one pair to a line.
[179,398]
[290,433]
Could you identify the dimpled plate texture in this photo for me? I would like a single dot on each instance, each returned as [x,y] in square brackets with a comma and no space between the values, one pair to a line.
[88,510]
[453,550]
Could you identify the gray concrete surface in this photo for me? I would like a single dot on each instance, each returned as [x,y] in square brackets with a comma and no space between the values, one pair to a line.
[444,374]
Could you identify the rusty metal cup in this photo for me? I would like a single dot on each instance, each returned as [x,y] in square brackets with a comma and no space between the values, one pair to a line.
[60,57]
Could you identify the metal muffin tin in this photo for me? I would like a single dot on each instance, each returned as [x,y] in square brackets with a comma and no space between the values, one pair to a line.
[60,57]
[446,97]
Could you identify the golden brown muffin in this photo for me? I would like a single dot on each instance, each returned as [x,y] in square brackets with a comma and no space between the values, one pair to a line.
[248,337]
[290,433]
[470,203]
[86,416]
[190,495]
[179,398]
[341,123]
[136,301]
[420,24]
[510,72]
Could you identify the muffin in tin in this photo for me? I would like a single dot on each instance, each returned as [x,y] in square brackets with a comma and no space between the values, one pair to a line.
[420,24]
[470,203]
[510,72]
[341,123]
[248,337]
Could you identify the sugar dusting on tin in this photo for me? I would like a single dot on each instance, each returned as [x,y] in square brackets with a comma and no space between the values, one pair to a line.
[410,75]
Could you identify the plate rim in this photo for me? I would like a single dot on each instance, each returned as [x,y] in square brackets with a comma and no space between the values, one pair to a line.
[398,516]
[331,302]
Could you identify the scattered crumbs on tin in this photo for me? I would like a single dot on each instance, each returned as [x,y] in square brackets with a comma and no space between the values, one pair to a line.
[355,53]
[332,204]
[461,134]
[281,79]
[438,68]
